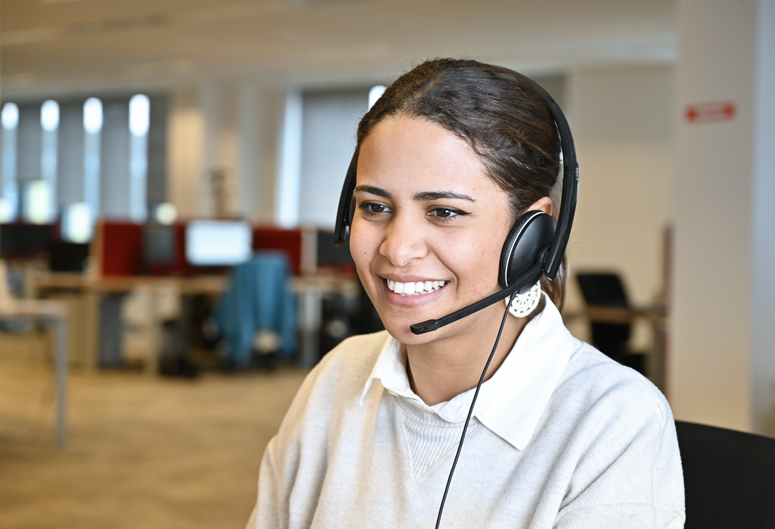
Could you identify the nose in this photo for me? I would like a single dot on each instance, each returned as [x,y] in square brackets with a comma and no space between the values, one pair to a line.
[404,241]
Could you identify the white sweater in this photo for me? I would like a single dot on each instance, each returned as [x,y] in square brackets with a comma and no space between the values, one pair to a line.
[581,442]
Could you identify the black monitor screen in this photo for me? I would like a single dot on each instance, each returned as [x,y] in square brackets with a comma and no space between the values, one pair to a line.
[25,240]
[159,245]
[68,257]
[328,254]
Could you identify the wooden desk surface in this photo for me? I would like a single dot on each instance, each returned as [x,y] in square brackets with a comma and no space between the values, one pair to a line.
[603,314]
[33,308]
[204,284]
[208,284]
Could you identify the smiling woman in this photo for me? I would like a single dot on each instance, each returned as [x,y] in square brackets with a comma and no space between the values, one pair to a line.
[454,159]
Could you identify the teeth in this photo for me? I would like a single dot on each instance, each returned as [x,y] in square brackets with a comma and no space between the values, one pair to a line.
[414,288]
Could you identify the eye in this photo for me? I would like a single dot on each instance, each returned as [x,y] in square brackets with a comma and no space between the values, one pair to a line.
[446,213]
[371,209]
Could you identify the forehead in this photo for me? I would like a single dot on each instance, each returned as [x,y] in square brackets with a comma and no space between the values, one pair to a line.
[411,154]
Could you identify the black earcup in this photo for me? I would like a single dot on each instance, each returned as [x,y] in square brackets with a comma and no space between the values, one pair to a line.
[532,232]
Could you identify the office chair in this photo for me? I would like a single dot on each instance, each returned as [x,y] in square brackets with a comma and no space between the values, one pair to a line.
[606,289]
[729,477]
[258,297]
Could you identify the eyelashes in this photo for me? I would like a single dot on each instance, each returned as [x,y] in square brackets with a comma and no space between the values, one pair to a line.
[372,209]
[448,213]
[440,214]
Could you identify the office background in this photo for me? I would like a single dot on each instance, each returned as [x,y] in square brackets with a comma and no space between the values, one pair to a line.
[263,97]
[236,77]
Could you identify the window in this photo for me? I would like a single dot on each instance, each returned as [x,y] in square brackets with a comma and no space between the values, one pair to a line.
[62,158]
[139,123]
[9,196]
[92,126]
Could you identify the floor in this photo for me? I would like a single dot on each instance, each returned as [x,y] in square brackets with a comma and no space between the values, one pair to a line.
[144,452]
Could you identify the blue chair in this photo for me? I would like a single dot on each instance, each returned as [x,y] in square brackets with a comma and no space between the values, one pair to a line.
[258,297]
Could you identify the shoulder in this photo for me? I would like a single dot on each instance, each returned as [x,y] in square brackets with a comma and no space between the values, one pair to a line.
[619,435]
[595,382]
[600,406]
[608,412]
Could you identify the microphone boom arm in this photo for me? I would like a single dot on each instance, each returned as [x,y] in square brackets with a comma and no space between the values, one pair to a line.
[432,325]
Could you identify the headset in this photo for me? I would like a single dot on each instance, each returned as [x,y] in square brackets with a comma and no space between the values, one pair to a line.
[534,245]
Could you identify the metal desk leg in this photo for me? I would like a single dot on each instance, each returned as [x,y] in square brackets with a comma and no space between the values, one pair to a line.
[60,332]
[310,318]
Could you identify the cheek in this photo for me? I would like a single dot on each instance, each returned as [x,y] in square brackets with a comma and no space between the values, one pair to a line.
[363,249]
[476,263]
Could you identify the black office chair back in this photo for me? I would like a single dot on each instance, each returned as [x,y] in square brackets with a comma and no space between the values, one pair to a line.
[607,290]
[603,289]
[729,477]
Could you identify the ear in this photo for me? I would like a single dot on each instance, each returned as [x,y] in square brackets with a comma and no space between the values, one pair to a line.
[544,204]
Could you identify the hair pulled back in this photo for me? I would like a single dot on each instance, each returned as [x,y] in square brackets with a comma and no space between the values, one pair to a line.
[499,114]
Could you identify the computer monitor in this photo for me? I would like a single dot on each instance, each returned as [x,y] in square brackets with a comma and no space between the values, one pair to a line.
[159,245]
[68,257]
[25,240]
[218,242]
[328,254]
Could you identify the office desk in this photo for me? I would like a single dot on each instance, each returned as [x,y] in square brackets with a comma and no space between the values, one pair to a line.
[91,291]
[206,284]
[655,316]
[54,315]
[309,289]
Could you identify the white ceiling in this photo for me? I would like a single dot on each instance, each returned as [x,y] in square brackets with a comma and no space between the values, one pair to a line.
[60,46]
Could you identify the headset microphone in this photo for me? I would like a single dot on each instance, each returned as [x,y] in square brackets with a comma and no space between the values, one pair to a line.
[528,280]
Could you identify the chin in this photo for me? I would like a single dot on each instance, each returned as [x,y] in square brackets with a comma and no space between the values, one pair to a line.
[404,334]
[398,327]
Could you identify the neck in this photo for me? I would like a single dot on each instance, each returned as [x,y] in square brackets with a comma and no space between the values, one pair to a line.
[446,367]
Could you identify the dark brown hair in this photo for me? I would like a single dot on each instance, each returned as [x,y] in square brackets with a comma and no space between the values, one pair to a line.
[499,114]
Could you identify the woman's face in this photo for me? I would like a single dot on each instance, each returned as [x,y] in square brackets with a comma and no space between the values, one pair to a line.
[428,228]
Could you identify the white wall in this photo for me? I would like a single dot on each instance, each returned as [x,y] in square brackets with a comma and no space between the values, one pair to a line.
[230,128]
[186,141]
[621,118]
[763,218]
[723,366]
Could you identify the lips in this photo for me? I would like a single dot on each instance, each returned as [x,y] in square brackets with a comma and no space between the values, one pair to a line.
[414,288]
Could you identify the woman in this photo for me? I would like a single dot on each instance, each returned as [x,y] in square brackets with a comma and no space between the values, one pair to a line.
[561,436]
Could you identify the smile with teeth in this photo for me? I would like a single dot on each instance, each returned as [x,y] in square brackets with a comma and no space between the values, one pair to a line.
[414,288]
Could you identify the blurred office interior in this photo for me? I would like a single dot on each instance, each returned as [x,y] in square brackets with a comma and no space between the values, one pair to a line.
[158,156]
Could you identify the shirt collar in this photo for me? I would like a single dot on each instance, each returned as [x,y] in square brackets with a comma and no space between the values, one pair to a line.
[512,400]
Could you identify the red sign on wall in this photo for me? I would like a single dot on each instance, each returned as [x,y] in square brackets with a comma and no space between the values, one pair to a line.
[710,112]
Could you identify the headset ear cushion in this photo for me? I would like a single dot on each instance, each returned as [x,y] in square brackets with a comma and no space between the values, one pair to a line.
[531,232]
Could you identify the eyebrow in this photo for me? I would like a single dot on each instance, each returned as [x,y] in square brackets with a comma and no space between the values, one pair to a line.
[423,196]
[373,190]
[436,195]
